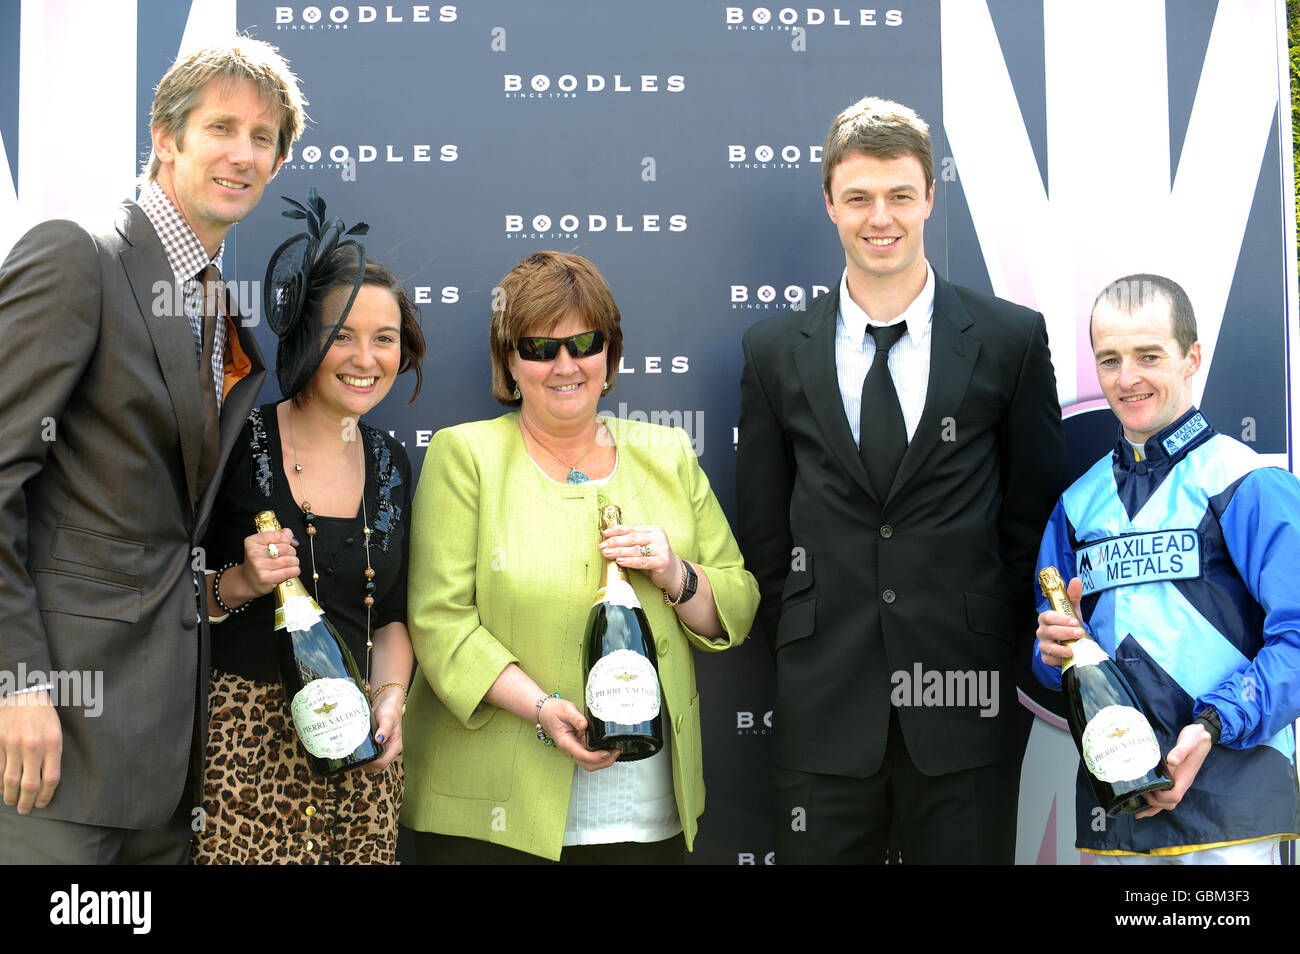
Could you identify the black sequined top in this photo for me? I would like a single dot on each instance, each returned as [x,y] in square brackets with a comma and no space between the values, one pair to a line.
[254,481]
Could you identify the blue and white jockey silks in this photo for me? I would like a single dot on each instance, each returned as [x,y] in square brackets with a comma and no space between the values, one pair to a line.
[1190,562]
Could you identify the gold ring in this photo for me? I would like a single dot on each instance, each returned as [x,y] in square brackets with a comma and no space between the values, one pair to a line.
[647,550]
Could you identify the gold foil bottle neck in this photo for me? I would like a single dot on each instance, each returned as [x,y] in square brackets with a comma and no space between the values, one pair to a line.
[266,520]
[1053,587]
[1049,577]
[610,516]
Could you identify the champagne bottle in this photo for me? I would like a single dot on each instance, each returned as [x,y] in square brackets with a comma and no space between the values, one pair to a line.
[622,684]
[329,708]
[1107,719]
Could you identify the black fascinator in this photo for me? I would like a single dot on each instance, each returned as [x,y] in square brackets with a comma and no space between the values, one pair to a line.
[302,271]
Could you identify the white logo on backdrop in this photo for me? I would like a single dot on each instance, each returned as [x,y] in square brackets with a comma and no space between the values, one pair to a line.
[342,16]
[780,156]
[654,364]
[313,156]
[762,19]
[772,297]
[424,294]
[569,224]
[1112,209]
[571,85]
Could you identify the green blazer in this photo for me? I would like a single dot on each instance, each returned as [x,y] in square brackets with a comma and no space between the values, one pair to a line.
[504,565]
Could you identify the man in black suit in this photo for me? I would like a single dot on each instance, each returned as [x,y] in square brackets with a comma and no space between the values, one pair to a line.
[125,381]
[900,452]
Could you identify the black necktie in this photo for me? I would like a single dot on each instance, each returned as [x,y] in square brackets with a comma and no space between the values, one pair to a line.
[210,279]
[882,435]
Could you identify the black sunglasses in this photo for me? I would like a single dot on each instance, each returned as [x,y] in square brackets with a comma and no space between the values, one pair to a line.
[538,348]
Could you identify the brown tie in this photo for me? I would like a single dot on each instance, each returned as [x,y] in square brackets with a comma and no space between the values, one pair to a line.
[211,451]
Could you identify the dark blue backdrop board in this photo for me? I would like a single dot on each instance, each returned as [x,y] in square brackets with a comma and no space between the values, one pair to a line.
[676,144]
[416,132]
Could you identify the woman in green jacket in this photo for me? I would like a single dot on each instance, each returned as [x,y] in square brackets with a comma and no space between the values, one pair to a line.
[505,560]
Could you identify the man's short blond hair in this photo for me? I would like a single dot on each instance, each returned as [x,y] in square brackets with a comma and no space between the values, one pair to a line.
[243,58]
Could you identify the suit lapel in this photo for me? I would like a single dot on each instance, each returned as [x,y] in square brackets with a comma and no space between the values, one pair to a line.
[158,299]
[815,359]
[952,360]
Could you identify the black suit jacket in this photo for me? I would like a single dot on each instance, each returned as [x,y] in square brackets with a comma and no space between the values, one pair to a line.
[101,503]
[940,573]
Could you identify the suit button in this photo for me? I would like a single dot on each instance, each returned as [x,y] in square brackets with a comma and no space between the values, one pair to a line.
[886,531]
[888,596]
[189,621]
[662,647]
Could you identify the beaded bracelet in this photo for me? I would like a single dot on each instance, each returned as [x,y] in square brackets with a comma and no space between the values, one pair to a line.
[216,591]
[542,735]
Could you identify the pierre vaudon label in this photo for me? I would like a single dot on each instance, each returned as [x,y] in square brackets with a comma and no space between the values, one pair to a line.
[623,688]
[1118,745]
[331,717]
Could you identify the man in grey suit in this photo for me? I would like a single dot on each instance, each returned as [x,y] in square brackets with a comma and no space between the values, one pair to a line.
[125,379]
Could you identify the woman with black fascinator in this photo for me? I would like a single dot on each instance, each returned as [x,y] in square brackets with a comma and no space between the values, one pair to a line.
[341,490]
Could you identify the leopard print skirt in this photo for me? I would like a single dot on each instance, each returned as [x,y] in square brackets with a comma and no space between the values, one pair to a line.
[262,804]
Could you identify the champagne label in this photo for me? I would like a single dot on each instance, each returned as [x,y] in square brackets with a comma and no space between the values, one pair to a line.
[298,613]
[1087,652]
[623,687]
[1118,745]
[619,593]
[331,716]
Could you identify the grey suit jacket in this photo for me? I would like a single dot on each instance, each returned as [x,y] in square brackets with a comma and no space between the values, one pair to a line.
[100,505]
